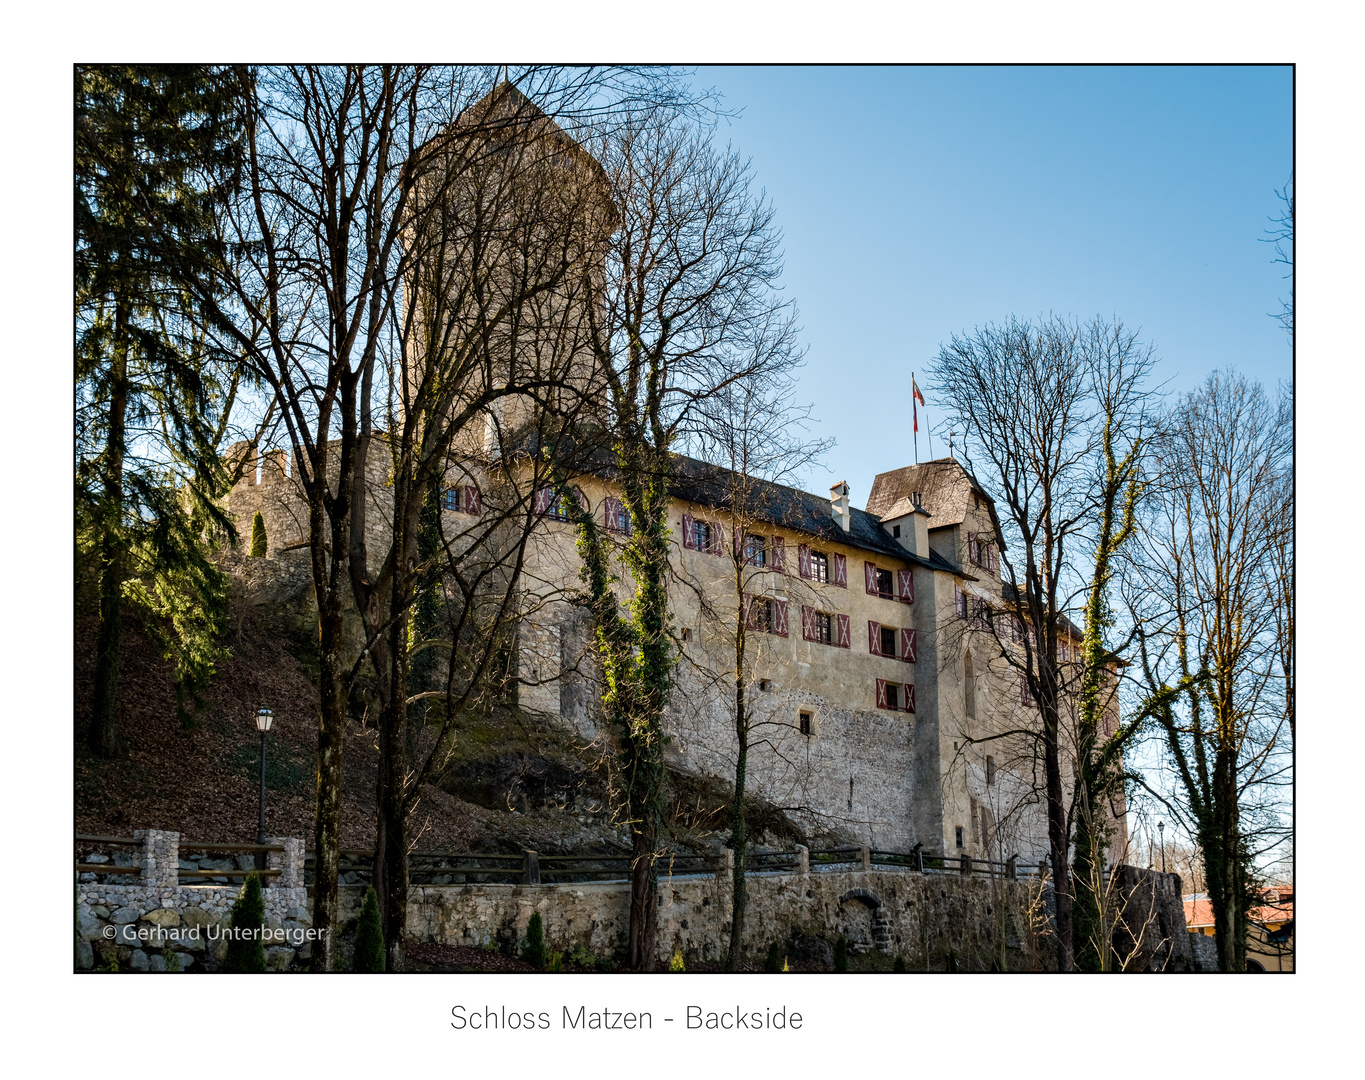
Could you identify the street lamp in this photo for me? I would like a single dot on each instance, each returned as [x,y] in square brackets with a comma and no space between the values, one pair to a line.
[1160,829]
[263,720]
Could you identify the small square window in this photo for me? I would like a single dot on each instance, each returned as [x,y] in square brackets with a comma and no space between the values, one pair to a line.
[819,566]
[896,531]
[765,685]
[806,721]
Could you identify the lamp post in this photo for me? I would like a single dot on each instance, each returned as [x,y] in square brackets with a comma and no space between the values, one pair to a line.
[263,720]
[1161,832]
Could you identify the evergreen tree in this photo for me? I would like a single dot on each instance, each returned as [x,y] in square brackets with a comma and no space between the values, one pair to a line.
[258,546]
[369,936]
[773,961]
[246,953]
[156,147]
[841,954]
[533,952]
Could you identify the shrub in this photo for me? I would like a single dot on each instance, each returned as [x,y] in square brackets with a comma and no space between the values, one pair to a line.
[258,536]
[773,961]
[899,965]
[554,962]
[245,952]
[676,964]
[841,954]
[533,952]
[369,936]
[172,959]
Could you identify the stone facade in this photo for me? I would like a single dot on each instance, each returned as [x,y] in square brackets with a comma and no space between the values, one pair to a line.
[159,924]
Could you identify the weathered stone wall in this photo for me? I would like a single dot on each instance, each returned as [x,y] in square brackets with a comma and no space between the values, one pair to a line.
[159,924]
[935,921]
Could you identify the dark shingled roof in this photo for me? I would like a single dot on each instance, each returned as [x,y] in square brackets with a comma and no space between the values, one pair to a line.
[777,504]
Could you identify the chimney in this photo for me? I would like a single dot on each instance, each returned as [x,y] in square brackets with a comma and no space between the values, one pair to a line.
[838,505]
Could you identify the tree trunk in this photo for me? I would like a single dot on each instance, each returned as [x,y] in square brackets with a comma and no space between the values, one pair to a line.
[102,735]
[1057,845]
[739,825]
[327,582]
[644,902]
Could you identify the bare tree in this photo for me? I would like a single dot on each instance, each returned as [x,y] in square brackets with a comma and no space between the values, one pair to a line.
[689,293]
[758,436]
[1282,236]
[351,179]
[1209,617]
[1050,415]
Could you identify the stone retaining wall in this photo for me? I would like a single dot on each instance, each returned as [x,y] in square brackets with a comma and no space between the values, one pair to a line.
[935,921]
[156,923]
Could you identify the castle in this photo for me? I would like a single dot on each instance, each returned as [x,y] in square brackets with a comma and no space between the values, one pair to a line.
[882,684]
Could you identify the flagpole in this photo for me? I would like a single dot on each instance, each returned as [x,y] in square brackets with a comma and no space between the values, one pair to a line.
[915,408]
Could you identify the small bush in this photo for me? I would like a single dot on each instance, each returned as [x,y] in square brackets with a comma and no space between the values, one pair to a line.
[676,964]
[899,965]
[533,952]
[246,953]
[110,963]
[369,936]
[581,957]
[772,963]
[172,959]
[258,536]
[841,954]
[554,962]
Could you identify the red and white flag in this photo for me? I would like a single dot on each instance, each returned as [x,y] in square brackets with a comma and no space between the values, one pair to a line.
[916,400]
[915,386]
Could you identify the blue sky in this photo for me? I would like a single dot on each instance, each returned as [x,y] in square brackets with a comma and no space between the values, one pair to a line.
[919,201]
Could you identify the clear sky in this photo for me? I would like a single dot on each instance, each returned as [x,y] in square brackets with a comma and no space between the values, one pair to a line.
[921,201]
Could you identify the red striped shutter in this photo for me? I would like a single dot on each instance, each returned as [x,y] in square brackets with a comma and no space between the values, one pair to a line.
[780,618]
[779,555]
[689,533]
[717,539]
[807,623]
[739,543]
[960,602]
[473,504]
[909,697]
[543,496]
[870,577]
[747,611]
[881,693]
[1025,697]
[874,638]
[840,571]
[905,586]
[843,637]
[909,648]
[609,513]
[803,560]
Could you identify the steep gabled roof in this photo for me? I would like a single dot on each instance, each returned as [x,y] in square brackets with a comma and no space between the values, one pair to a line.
[945,488]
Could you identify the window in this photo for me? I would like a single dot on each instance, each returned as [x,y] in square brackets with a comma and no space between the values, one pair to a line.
[765,685]
[960,603]
[896,531]
[990,770]
[462,500]
[450,499]
[959,836]
[765,616]
[969,687]
[819,566]
[756,551]
[687,634]
[616,515]
[888,641]
[806,723]
[701,535]
[1025,694]
[884,583]
[559,507]
[896,696]
[823,630]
